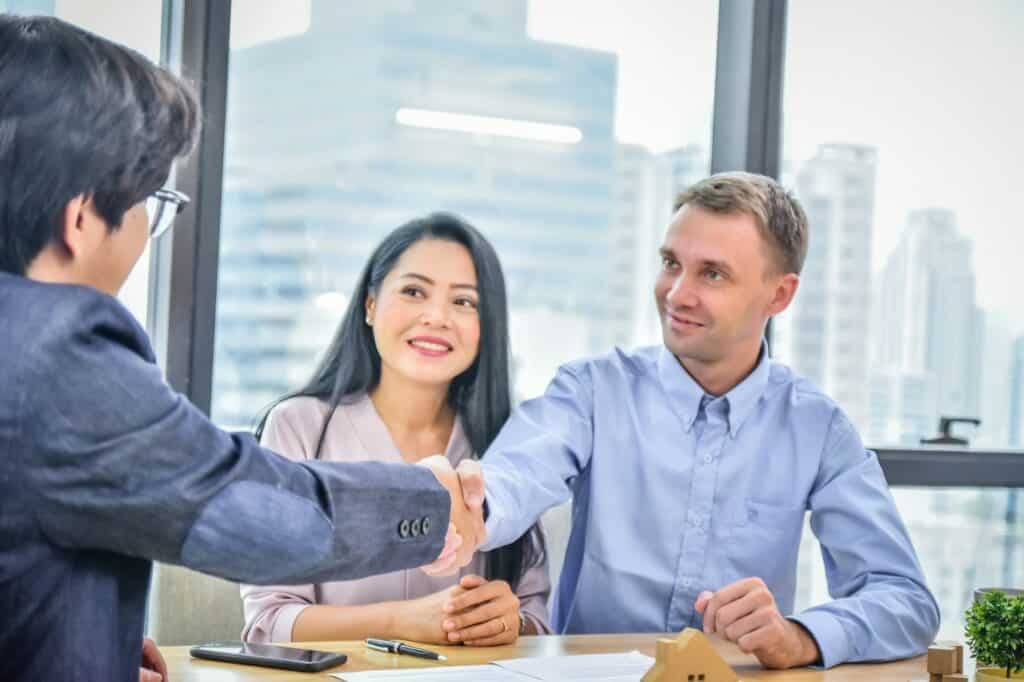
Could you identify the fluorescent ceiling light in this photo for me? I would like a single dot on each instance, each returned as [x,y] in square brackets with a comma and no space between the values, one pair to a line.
[489,125]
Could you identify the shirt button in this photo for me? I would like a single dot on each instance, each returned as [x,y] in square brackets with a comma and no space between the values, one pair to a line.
[708,458]
[687,583]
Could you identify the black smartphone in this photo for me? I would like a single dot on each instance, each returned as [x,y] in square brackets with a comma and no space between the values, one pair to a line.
[269,655]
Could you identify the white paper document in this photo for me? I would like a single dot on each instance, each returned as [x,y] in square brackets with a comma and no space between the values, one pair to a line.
[453,673]
[603,667]
[591,667]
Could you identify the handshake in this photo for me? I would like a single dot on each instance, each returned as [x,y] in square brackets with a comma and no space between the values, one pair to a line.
[466,529]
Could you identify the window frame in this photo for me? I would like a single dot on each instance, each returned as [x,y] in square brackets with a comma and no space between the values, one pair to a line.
[183,276]
[746,135]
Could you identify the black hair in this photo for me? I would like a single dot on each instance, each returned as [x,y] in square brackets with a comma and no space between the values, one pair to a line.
[79,114]
[481,395]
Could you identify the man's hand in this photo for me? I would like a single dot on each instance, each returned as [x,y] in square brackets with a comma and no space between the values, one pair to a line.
[471,478]
[485,614]
[153,669]
[445,563]
[745,613]
[466,489]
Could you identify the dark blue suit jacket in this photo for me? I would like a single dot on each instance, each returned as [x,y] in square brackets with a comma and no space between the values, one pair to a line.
[104,468]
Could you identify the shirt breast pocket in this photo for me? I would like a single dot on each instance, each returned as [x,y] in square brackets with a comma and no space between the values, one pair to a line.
[761,539]
[769,516]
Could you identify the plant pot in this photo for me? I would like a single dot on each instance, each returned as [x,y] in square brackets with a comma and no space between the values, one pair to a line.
[995,675]
[1008,591]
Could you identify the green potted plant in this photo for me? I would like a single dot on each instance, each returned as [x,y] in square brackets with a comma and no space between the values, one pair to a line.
[995,634]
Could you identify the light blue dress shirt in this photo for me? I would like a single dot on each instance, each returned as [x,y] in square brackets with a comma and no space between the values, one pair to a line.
[675,492]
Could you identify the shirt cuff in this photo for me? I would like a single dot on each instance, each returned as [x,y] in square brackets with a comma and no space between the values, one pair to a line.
[490,542]
[828,633]
[492,523]
[284,620]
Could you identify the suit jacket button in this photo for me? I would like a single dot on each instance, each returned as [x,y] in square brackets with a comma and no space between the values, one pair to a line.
[403,528]
[415,528]
[426,525]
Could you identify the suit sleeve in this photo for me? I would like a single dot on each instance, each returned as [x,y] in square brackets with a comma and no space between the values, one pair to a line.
[123,463]
[270,611]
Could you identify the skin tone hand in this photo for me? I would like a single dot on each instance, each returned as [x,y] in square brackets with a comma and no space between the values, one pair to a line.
[471,478]
[445,564]
[485,614]
[420,619]
[467,493]
[745,613]
[154,668]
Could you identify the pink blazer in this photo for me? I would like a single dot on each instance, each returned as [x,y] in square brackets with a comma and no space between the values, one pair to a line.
[357,433]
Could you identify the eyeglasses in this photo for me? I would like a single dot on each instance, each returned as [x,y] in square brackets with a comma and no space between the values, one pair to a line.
[162,207]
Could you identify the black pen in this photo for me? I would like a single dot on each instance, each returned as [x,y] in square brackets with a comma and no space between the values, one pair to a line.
[393,647]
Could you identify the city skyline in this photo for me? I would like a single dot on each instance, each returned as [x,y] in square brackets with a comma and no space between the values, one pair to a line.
[850,88]
[822,335]
[931,348]
[869,105]
[933,351]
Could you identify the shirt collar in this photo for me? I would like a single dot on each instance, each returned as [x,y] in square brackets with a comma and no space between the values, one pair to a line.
[686,394]
[744,396]
[683,392]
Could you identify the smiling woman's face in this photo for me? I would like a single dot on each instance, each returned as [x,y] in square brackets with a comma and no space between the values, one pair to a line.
[425,315]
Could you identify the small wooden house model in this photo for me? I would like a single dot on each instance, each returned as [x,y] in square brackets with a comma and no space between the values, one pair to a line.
[690,657]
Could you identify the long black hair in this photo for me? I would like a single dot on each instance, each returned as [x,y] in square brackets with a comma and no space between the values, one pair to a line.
[481,395]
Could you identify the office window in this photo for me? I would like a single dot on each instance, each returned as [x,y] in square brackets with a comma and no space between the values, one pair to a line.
[137,25]
[902,138]
[904,146]
[347,119]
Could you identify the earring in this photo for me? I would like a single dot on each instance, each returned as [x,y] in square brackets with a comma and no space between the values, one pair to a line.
[369,322]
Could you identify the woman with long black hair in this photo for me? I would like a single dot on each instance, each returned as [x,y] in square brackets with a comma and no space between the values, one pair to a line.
[419,366]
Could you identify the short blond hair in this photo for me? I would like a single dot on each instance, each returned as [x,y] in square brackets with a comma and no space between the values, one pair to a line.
[779,216]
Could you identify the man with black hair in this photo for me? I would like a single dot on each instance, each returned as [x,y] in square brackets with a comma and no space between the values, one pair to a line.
[103,467]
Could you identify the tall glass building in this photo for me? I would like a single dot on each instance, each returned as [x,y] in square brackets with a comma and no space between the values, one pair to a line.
[341,133]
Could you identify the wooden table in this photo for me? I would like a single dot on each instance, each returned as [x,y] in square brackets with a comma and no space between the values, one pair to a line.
[182,668]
